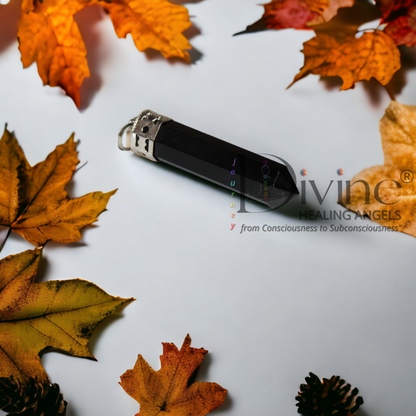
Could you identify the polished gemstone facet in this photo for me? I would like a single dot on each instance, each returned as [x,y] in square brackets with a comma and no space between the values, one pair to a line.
[220,162]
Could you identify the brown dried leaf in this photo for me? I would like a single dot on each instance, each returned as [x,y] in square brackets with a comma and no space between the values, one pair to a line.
[169,391]
[33,316]
[390,198]
[33,201]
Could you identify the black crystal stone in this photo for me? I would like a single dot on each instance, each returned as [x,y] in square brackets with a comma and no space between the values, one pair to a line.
[232,167]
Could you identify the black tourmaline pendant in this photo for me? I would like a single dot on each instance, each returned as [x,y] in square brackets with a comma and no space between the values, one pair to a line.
[161,139]
[331,397]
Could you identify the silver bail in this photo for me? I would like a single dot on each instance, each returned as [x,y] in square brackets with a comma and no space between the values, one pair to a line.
[141,133]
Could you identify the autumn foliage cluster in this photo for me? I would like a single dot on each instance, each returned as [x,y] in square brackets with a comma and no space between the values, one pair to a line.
[34,204]
[62,314]
[49,35]
[339,47]
[59,314]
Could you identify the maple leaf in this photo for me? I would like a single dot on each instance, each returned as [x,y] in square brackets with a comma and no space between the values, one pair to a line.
[297,14]
[387,193]
[34,316]
[374,54]
[168,391]
[400,17]
[49,36]
[156,24]
[33,200]
[391,8]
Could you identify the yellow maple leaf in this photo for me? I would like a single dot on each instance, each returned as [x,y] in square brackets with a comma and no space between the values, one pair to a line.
[34,316]
[33,200]
[169,391]
[387,193]
[49,35]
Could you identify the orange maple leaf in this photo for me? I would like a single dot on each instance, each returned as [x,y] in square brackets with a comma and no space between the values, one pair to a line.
[33,200]
[169,390]
[49,36]
[155,24]
[374,54]
[297,14]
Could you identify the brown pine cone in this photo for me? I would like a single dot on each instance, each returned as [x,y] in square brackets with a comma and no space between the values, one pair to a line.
[31,399]
[327,398]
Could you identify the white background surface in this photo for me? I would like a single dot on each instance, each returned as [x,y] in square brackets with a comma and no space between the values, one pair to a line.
[270,307]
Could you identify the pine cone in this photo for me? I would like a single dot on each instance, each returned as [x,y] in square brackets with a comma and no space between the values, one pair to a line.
[31,399]
[327,398]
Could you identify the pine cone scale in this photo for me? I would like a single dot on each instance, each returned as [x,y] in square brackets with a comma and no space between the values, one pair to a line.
[31,398]
[333,397]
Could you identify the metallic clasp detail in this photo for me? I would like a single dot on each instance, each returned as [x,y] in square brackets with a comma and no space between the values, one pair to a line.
[141,133]
[126,130]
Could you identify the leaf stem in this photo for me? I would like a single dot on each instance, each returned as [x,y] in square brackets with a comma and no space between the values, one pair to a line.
[5,239]
[77,169]
[390,92]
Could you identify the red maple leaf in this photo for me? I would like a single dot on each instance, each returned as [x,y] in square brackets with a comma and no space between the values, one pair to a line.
[400,17]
